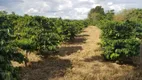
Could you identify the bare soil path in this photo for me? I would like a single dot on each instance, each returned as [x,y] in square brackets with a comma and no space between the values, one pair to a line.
[80,60]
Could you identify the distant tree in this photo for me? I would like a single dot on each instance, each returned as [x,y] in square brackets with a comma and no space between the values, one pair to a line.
[136,16]
[109,15]
[96,14]
[122,16]
[3,13]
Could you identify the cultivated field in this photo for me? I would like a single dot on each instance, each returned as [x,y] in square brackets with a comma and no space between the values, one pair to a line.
[78,60]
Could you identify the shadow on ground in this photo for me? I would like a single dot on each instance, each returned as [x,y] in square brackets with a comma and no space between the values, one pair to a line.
[73,46]
[79,39]
[94,58]
[48,68]
[68,50]
[129,61]
[83,35]
[51,66]
[126,71]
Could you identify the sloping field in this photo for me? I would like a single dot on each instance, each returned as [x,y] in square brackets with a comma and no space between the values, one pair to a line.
[79,60]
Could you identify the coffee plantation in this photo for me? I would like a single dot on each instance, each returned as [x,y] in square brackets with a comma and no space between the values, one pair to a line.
[31,33]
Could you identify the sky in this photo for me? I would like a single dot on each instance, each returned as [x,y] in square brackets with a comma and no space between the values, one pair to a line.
[68,9]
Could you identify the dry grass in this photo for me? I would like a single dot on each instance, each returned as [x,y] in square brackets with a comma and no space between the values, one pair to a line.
[80,60]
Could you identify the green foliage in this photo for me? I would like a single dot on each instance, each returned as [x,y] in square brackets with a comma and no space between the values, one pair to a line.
[27,29]
[96,14]
[109,15]
[8,51]
[122,15]
[135,15]
[31,33]
[119,40]
[71,29]
[48,41]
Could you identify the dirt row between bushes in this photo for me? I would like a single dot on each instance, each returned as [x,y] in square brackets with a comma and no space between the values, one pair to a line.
[77,60]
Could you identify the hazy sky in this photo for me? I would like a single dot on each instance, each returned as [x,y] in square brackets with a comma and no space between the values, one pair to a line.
[72,9]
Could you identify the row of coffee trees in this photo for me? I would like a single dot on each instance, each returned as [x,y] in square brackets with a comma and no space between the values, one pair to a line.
[31,33]
[121,32]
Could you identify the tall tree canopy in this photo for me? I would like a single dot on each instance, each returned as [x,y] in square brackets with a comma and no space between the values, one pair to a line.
[96,14]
